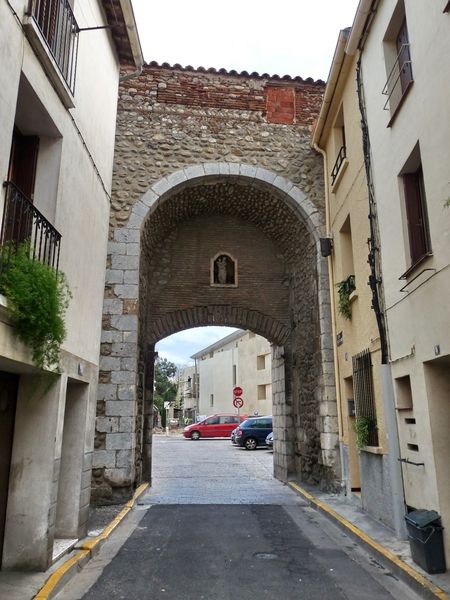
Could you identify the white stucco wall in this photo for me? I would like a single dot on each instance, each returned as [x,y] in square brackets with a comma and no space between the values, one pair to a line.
[216,375]
[74,170]
[418,317]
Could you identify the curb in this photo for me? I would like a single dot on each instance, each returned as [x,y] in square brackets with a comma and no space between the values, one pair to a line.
[87,550]
[405,572]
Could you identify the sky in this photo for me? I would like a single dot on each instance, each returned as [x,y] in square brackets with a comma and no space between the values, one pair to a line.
[287,37]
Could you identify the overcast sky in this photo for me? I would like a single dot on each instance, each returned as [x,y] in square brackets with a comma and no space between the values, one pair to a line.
[286,37]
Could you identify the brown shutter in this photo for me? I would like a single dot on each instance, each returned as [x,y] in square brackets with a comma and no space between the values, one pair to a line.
[417,230]
[404,57]
[22,163]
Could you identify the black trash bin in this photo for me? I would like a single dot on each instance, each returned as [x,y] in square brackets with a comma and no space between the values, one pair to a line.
[425,539]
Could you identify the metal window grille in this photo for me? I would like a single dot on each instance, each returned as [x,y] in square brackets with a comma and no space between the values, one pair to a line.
[342,154]
[363,392]
[56,22]
[22,222]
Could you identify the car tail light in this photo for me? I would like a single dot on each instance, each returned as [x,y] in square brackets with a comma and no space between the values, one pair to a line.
[239,432]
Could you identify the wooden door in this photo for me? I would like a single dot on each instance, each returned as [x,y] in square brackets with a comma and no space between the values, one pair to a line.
[8,401]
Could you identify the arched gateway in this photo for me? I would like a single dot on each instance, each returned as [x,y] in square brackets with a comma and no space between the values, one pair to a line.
[223,243]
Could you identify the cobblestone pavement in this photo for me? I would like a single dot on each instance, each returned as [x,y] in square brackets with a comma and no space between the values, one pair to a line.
[213,472]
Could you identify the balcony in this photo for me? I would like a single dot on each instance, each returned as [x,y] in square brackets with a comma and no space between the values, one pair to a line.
[23,222]
[53,32]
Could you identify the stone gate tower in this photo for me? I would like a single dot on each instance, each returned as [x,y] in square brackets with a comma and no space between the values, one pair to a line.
[214,163]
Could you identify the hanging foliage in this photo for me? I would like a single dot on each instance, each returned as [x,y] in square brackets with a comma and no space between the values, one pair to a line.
[345,288]
[38,298]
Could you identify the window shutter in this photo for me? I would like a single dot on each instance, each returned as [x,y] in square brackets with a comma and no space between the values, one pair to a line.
[418,241]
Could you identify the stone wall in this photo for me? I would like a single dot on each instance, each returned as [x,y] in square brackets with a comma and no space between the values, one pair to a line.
[209,162]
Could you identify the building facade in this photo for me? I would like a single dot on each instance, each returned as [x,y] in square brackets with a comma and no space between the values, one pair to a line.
[58,98]
[368,449]
[240,359]
[405,84]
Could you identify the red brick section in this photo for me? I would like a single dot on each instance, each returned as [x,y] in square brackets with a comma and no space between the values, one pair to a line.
[280,105]
[285,102]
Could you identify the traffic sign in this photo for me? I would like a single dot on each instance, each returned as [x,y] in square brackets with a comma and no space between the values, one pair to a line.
[238,403]
[237,391]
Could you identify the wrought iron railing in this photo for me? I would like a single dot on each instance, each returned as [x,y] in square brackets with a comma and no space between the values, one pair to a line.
[364,394]
[399,78]
[342,155]
[56,22]
[22,222]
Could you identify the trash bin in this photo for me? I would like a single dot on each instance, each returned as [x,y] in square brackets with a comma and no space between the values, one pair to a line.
[425,540]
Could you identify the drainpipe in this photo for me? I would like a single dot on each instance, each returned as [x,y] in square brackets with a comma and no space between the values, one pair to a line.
[333,323]
[336,67]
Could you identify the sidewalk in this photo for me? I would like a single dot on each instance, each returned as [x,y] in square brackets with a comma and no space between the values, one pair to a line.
[394,554]
[19,585]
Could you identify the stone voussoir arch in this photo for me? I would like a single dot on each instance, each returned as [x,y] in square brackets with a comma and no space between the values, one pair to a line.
[118,383]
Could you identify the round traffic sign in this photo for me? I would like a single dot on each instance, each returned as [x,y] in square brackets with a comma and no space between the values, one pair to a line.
[237,391]
[238,403]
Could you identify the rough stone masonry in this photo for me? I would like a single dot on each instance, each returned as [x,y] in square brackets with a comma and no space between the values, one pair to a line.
[211,162]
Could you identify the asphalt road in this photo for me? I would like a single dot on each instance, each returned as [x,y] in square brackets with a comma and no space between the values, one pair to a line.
[216,525]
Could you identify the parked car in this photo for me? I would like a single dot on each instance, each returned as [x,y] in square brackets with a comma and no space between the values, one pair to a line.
[253,432]
[233,436]
[269,440]
[219,425]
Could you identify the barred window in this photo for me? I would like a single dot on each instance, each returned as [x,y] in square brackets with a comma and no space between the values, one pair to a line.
[364,395]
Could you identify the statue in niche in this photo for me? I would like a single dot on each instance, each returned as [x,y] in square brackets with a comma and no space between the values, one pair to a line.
[224,270]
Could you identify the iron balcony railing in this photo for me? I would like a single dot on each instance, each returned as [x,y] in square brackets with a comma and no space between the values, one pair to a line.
[399,78]
[22,222]
[56,22]
[342,155]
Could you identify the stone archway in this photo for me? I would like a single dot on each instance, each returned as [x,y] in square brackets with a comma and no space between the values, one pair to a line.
[158,283]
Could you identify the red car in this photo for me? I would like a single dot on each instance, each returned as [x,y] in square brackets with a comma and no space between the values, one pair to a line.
[220,425]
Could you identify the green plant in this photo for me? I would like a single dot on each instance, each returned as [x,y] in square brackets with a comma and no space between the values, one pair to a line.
[363,427]
[345,288]
[447,203]
[38,298]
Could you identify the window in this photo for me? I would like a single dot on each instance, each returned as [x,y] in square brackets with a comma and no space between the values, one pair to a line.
[212,420]
[261,362]
[58,29]
[398,61]
[339,148]
[364,395]
[346,248]
[262,394]
[234,375]
[211,400]
[416,214]
[415,208]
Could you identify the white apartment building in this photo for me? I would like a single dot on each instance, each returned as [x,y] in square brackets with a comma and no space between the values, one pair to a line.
[61,62]
[405,77]
[240,359]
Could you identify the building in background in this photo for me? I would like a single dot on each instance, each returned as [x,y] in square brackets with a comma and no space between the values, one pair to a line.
[240,359]
[187,393]
[405,79]
[58,99]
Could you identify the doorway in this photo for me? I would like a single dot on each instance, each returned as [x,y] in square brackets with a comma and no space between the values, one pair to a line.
[8,402]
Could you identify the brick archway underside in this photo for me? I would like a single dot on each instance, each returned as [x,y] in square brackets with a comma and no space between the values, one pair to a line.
[224,315]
